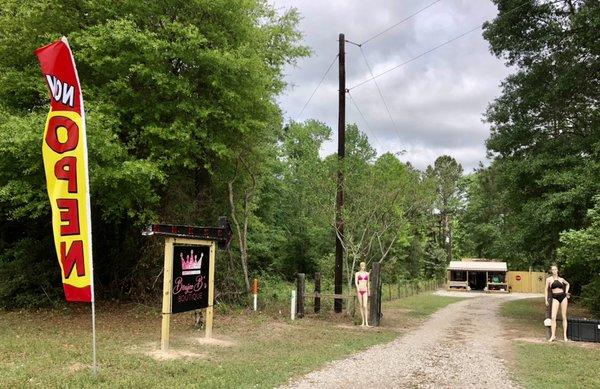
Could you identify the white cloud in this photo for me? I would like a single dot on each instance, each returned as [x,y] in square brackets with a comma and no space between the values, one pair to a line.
[437,101]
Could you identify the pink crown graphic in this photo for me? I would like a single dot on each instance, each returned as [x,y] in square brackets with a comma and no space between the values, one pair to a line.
[191,264]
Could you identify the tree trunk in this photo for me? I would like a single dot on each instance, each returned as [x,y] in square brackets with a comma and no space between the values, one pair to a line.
[241,235]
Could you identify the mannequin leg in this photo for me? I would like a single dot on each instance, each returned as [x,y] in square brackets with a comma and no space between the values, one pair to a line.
[563,308]
[366,309]
[360,308]
[555,305]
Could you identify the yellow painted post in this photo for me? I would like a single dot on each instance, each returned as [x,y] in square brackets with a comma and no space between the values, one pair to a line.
[167,287]
[211,293]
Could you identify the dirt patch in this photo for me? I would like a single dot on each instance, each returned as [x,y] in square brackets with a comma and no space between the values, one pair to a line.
[152,349]
[76,366]
[216,342]
[587,345]
[171,354]
[351,327]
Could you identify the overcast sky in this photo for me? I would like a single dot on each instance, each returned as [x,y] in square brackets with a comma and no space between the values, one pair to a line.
[436,101]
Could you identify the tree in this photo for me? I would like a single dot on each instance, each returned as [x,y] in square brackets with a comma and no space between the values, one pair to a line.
[485,227]
[175,92]
[380,197]
[544,137]
[580,254]
[446,173]
[304,199]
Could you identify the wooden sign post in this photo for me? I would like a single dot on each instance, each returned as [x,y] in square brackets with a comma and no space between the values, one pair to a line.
[166,303]
[189,271]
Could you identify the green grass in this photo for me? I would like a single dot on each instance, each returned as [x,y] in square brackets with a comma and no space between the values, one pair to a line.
[422,305]
[538,364]
[52,348]
[557,366]
[524,310]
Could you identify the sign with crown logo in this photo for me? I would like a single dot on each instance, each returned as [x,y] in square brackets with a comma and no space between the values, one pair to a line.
[189,272]
[190,278]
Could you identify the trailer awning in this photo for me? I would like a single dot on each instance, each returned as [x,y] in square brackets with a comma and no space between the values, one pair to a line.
[478,266]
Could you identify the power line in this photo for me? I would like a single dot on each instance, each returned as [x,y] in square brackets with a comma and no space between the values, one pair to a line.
[433,48]
[368,127]
[417,57]
[395,127]
[400,22]
[318,85]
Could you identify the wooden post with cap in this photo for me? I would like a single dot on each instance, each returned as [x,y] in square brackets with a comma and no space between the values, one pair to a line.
[211,292]
[167,287]
[300,294]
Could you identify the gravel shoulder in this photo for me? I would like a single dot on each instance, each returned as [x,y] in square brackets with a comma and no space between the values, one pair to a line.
[460,345]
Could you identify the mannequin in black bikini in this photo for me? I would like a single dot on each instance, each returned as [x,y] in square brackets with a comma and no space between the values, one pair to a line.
[361,280]
[560,299]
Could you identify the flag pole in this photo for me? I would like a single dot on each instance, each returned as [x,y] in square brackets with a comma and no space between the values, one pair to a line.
[94,363]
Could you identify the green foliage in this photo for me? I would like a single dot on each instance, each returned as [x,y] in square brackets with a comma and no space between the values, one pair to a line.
[387,208]
[444,181]
[590,295]
[307,190]
[486,226]
[580,252]
[21,274]
[174,91]
[183,127]
[544,125]
[530,207]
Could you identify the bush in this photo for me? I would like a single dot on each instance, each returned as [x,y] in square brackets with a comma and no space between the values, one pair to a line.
[26,281]
[590,296]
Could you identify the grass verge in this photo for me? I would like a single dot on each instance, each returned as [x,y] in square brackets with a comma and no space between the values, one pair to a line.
[421,305]
[52,348]
[539,364]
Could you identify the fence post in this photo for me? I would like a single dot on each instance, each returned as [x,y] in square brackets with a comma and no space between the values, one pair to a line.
[293,306]
[255,293]
[300,295]
[317,292]
[375,308]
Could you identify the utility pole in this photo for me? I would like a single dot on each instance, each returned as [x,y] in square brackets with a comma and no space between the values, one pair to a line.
[339,204]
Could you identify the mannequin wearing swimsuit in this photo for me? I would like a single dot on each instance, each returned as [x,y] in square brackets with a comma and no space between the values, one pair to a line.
[559,292]
[361,281]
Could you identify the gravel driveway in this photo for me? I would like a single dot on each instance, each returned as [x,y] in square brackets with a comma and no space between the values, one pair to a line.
[461,345]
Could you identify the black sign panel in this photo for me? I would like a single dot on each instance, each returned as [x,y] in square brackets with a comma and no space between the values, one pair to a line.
[221,234]
[189,288]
